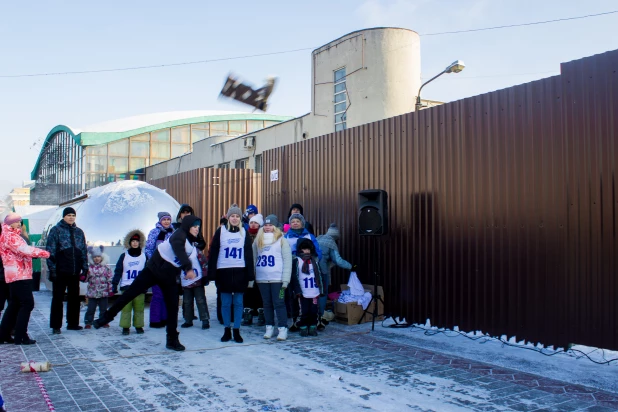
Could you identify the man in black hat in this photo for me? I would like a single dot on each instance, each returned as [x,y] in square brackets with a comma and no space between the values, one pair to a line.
[67,264]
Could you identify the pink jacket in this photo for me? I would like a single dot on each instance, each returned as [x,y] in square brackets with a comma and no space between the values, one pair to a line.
[17,255]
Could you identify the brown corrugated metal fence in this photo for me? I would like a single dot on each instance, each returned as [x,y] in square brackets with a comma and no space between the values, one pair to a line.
[211,192]
[503,207]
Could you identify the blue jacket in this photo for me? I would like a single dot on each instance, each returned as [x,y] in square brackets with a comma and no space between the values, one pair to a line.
[66,245]
[156,236]
[330,254]
[305,234]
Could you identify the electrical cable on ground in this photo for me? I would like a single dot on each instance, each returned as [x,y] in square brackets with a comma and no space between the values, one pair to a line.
[454,334]
[156,66]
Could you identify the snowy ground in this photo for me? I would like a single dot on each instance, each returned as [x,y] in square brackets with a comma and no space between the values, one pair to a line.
[346,368]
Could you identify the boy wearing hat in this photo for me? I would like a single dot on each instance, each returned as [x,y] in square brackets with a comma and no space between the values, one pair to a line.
[307,286]
[68,262]
[130,264]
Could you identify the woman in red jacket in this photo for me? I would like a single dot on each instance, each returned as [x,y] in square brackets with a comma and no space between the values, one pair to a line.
[17,260]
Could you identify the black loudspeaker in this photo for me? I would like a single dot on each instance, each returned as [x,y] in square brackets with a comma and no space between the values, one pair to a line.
[372,212]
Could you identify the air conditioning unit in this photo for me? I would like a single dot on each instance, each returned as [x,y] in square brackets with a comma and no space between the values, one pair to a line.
[249,142]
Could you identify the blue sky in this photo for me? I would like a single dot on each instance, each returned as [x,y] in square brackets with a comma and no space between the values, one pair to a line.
[45,36]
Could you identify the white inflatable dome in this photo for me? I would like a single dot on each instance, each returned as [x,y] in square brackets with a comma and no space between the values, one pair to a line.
[107,213]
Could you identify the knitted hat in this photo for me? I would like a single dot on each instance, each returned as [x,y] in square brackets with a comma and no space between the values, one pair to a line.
[96,251]
[233,210]
[164,215]
[12,218]
[297,216]
[251,209]
[68,211]
[305,243]
[271,220]
[135,237]
[333,231]
[259,219]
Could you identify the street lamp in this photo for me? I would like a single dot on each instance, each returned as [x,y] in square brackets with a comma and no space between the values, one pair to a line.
[454,67]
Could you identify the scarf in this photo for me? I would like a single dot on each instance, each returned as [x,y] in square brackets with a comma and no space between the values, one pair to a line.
[306,257]
[297,231]
[135,252]
[268,238]
[253,232]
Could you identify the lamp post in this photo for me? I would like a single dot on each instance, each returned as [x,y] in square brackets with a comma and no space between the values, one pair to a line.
[454,67]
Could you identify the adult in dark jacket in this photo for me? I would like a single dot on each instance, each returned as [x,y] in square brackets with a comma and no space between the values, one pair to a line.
[168,260]
[162,231]
[186,210]
[67,264]
[231,266]
[297,208]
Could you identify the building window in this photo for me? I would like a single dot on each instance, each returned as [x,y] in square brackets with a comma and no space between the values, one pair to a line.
[258,163]
[242,164]
[341,99]
[224,166]
[199,132]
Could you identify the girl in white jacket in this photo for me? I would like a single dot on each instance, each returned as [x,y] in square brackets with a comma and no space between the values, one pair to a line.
[273,267]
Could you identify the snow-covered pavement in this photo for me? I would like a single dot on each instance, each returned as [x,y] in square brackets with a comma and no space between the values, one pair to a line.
[346,368]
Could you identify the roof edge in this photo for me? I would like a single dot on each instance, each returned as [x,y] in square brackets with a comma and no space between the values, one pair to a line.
[359,31]
[52,132]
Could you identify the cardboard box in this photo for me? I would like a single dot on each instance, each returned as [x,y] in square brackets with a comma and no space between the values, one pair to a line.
[350,313]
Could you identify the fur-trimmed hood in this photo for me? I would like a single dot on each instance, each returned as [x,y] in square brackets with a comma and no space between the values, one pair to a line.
[142,239]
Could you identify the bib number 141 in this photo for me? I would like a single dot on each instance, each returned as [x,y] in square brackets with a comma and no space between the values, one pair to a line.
[233,252]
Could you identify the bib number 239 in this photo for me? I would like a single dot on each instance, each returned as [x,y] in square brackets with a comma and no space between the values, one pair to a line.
[233,252]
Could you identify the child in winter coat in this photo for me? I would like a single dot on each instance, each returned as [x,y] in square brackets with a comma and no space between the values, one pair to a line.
[230,264]
[130,264]
[193,289]
[307,286]
[99,283]
[297,232]
[273,267]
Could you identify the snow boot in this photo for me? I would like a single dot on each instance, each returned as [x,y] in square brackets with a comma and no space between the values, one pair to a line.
[321,326]
[187,324]
[237,337]
[294,327]
[125,331]
[173,343]
[313,331]
[227,335]
[304,331]
[269,332]
[247,317]
[283,333]
[205,324]
[139,330]
[261,319]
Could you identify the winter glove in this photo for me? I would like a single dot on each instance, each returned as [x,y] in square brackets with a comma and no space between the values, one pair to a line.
[114,289]
[250,284]
[110,294]
[84,275]
[354,268]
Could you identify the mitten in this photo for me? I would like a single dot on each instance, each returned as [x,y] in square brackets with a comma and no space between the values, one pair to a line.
[354,268]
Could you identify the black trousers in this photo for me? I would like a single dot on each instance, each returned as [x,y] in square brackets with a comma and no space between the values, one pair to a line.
[4,294]
[309,312]
[17,314]
[69,283]
[146,279]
